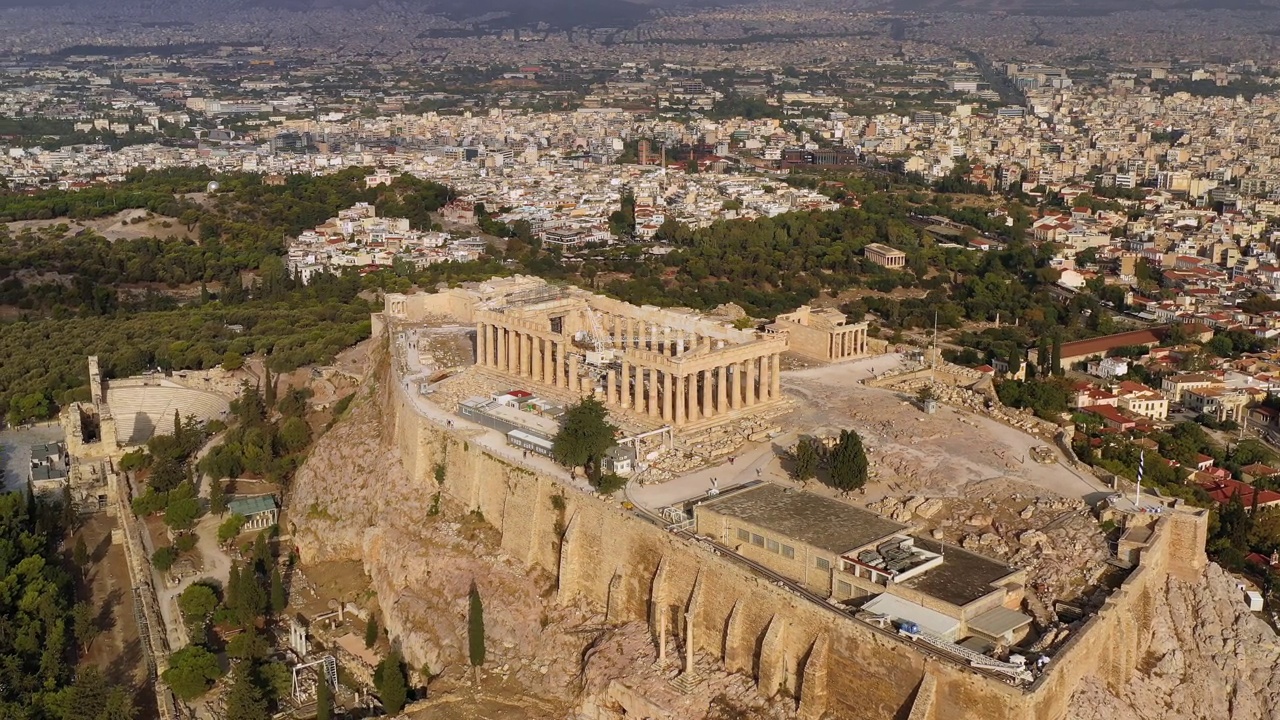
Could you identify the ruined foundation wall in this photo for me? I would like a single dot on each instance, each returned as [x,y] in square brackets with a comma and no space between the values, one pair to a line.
[834,666]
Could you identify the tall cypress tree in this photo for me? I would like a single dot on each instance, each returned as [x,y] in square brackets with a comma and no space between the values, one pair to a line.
[270,389]
[475,628]
[324,700]
[278,599]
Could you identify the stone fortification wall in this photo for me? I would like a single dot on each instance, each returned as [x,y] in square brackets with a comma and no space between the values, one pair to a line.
[832,665]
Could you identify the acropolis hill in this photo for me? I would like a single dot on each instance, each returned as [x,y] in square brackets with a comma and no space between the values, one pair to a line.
[707,608]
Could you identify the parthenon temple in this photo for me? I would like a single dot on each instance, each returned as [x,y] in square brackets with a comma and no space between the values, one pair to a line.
[679,369]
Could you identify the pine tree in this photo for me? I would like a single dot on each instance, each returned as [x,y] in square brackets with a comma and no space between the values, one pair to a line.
[475,628]
[1057,354]
[278,600]
[371,632]
[245,700]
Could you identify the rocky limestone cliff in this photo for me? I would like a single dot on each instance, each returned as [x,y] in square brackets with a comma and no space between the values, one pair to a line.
[352,500]
[1210,658]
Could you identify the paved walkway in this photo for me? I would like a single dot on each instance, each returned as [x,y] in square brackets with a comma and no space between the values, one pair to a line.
[15,451]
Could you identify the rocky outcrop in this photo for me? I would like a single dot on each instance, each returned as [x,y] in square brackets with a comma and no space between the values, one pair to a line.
[1210,658]
[352,500]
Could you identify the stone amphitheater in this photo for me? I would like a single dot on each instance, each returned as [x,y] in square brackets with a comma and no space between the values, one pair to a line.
[143,406]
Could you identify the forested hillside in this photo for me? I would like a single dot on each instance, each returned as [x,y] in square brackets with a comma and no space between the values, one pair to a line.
[70,305]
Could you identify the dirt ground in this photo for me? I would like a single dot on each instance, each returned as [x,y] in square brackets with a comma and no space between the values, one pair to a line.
[115,227]
[490,699]
[118,648]
[915,453]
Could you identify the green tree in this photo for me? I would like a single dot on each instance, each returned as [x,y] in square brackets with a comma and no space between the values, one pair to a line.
[269,394]
[1056,364]
[294,434]
[848,462]
[393,687]
[278,600]
[85,625]
[163,558]
[245,700]
[192,671]
[806,460]
[585,436]
[91,698]
[475,628]
[324,700]
[230,528]
[197,603]
[217,496]
[180,515]
[80,555]
[248,645]
[371,632]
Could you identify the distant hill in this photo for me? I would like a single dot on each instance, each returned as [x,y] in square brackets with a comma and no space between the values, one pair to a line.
[605,13]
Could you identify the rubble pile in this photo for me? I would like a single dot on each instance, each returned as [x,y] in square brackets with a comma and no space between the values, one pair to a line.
[967,399]
[714,445]
[1056,539]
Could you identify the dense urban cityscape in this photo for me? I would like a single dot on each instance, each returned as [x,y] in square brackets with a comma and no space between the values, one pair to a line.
[788,360]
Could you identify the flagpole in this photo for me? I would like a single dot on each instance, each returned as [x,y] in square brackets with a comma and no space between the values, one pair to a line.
[1137,493]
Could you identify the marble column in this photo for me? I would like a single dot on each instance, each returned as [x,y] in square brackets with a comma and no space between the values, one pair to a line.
[653,392]
[534,367]
[609,383]
[764,378]
[706,408]
[751,382]
[637,388]
[668,392]
[692,398]
[775,376]
[526,356]
[502,348]
[559,378]
[549,357]
[722,389]
[624,386]
[679,400]
[679,343]
[481,328]
[735,401]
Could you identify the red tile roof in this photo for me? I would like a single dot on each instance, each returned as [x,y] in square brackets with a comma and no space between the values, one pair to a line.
[1223,490]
